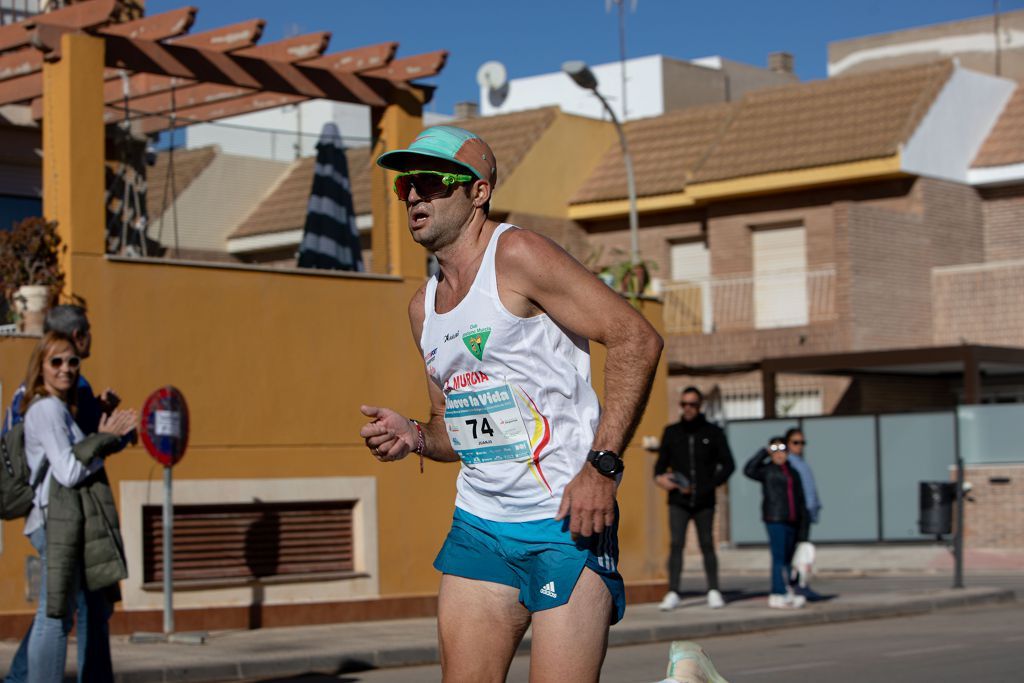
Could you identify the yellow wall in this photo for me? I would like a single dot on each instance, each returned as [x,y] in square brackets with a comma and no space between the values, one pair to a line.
[643,529]
[14,352]
[556,164]
[274,367]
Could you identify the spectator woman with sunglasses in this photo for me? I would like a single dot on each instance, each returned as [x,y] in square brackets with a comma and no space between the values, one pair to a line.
[784,513]
[51,436]
[795,444]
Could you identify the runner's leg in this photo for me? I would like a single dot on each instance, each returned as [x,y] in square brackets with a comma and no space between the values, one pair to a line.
[480,625]
[569,642]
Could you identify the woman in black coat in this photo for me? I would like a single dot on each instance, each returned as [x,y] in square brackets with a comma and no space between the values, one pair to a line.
[784,513]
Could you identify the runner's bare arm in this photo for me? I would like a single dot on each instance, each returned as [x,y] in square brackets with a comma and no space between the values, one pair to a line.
[534,271]
[536,275]
[391,436]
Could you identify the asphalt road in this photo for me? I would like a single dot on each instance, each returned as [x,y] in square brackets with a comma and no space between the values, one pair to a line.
[975,644]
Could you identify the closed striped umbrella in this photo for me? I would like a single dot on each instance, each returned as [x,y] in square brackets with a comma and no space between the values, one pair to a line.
[330,239]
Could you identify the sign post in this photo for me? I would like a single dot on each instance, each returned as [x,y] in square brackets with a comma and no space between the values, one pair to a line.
[165,436]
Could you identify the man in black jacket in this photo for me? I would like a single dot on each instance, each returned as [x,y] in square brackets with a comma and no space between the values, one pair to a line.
[694,460]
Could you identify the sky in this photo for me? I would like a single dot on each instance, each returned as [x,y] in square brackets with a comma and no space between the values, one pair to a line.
[532,37]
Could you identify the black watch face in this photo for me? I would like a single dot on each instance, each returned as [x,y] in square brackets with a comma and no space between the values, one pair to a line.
[607,463]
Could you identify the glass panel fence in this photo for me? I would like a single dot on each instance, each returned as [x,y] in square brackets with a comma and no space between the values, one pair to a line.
[915,447]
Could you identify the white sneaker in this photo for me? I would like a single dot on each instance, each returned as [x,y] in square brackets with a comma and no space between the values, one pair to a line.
[669,602]
[715,599]
[795,600]
[786,601]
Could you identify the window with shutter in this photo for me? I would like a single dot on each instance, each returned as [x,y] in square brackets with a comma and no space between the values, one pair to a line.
[691,267]
[780,277]
[228,544]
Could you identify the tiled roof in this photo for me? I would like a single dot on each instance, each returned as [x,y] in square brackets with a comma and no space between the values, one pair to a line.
[284,207]
[188,164]
[1005,144]
[665,151]
[510,136]
[843,119]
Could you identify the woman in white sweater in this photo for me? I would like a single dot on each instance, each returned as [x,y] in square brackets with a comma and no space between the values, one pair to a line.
[50,434]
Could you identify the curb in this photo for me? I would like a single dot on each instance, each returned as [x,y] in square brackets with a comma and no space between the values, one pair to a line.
[412,654]
[899,607]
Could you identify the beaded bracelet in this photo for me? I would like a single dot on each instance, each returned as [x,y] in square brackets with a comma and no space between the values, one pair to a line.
[420,442]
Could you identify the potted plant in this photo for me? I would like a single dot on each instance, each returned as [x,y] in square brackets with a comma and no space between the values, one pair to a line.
[30,272]
[628,278]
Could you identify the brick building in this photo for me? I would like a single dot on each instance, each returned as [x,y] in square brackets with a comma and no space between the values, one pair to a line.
[817,218]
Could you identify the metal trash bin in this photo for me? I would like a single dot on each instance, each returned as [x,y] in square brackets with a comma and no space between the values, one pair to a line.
[936,507]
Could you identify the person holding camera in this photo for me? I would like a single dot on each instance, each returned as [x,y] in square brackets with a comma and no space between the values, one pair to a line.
[784,511]
[694,459]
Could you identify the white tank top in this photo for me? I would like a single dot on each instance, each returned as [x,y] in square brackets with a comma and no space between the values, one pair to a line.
[520,411]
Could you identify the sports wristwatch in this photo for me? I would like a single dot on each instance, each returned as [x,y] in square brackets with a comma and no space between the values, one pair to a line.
[607,463]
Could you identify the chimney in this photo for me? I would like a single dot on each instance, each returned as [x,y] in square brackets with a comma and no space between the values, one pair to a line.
[781,62]
[466,110]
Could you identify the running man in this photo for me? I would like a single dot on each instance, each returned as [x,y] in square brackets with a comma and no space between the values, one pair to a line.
[504,328]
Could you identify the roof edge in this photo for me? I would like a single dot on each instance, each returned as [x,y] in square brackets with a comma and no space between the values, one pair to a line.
[620,207]
[882,168]
[784,181]
[995,176]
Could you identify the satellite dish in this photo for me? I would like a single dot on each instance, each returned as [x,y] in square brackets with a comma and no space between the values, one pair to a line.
[492,77]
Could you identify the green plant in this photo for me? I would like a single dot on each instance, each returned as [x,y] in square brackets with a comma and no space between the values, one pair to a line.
[30,254]
[628,278]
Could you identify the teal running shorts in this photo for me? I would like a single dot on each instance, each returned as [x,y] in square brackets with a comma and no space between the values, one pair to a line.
[539,558]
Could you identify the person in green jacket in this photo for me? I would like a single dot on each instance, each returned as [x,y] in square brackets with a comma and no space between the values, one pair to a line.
[50,437]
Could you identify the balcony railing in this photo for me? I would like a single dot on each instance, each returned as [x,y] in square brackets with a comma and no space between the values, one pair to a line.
[13,11]
[781,299]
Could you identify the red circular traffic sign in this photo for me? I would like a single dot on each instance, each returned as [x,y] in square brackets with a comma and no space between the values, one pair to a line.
[165,425]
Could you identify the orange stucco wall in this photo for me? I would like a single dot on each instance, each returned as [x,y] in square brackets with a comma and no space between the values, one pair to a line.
[274,367]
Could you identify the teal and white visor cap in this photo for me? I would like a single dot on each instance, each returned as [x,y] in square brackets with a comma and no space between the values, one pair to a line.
[451,144]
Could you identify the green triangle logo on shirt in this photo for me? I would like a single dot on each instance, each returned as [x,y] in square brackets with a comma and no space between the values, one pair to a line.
[475,341]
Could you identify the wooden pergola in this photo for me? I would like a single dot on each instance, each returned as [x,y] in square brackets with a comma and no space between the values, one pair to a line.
[79,69]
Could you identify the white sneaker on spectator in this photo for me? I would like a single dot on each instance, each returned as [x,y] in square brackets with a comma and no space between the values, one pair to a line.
[786,601]
[669,602]
[795,600]
[715,599]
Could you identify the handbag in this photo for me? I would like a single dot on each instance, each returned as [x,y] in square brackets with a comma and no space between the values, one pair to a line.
[803,562]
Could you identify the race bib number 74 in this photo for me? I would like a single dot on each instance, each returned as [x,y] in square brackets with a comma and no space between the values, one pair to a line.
[486,426]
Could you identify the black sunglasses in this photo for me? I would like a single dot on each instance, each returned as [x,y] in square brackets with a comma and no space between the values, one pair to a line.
[797,442]
[695,404]
[429,184]
[73,362]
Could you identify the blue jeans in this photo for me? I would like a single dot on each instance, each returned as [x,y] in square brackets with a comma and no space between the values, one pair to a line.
[782,541]
[94,662]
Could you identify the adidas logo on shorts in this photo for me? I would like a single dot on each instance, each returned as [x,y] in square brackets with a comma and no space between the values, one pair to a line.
[549,589]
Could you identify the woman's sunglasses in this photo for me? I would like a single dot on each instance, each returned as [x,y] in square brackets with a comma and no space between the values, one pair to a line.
[429,184]
[73,362]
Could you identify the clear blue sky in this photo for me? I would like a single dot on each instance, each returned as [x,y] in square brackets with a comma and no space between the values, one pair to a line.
[535,36]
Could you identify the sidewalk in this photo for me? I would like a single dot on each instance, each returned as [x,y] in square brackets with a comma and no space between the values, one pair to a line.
[280,652]
[873,560]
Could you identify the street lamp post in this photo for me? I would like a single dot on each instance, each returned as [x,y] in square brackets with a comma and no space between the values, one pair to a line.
[581,74]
